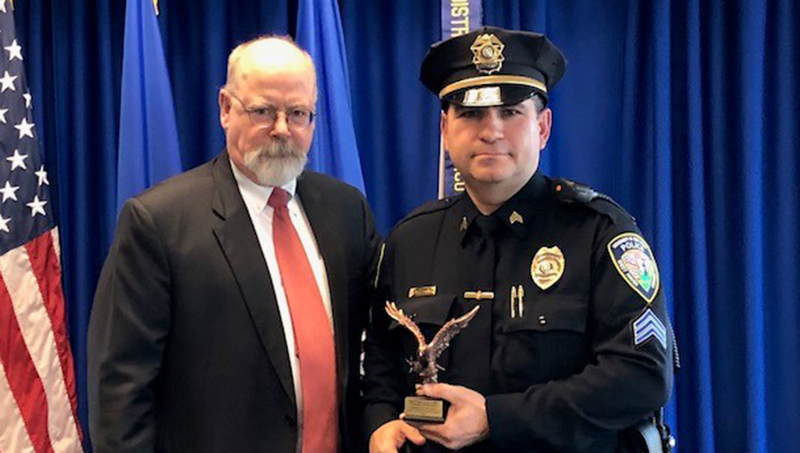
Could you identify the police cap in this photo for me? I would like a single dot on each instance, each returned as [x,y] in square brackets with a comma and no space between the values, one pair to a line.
[492,66]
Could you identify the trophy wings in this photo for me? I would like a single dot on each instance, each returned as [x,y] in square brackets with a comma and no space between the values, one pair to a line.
[450,329]
[402,319]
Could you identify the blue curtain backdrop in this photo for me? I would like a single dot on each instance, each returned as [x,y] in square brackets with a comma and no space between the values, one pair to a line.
[686,112]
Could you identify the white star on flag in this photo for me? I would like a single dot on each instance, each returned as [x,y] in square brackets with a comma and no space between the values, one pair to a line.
[3,115]
[42,175]
[9,192]
[3,6]
[17,160]
[25,128]
[8,82]
[14,51]
[28,98]
[4,224]
[37,206]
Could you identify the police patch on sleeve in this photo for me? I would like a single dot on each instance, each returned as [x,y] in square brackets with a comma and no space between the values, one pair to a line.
[634,261]
[648,326]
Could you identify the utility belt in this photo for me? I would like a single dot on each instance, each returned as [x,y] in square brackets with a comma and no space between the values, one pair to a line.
[651,435]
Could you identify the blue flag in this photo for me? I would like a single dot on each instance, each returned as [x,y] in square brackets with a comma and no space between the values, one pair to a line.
[334,150]
[148,135]
[456,21]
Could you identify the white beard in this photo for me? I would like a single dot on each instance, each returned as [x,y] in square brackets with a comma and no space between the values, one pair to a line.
[276,163]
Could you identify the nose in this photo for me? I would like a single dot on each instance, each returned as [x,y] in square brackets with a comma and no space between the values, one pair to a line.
[281,127]
[491,126]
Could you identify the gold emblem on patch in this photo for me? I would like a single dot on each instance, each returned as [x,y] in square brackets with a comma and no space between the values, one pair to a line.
[547,267]
[487,53]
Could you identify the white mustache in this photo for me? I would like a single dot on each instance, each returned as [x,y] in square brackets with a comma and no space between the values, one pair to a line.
[276,149]
[276,163]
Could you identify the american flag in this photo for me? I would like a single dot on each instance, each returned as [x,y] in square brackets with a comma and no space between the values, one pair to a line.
[38,405]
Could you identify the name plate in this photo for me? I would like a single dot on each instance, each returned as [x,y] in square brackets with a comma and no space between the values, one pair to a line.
[424,409]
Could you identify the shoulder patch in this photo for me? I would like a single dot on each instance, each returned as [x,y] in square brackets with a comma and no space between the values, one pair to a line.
[568,192]
[635,263]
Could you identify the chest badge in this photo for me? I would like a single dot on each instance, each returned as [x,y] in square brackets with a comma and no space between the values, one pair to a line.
[547,267]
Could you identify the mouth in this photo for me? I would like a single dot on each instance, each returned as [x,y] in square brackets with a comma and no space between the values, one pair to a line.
[489,155]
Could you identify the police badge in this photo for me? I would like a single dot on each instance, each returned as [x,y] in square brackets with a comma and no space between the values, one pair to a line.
[634,261]
[487,53]
[547,267]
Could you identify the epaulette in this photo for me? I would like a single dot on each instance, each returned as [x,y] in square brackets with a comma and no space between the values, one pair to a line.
[428,208]
[568,192]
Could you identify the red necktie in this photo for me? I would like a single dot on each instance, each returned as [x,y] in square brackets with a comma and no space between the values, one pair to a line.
[312,332]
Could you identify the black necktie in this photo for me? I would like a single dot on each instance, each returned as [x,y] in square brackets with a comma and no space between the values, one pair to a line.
[472,360]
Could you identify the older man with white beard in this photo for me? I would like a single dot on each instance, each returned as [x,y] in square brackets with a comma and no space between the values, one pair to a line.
[229,312]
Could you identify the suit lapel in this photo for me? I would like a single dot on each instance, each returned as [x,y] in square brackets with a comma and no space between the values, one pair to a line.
[239,243]
[328,236]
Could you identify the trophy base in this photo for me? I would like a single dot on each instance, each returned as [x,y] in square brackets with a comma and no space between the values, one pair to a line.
[424,409]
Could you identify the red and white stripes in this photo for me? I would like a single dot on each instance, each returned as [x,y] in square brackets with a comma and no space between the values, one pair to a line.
[38,404]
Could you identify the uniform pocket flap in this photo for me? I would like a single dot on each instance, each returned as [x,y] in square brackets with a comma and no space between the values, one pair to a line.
[432,310]
[551,313]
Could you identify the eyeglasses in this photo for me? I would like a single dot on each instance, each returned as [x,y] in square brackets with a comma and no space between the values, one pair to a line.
[296,117]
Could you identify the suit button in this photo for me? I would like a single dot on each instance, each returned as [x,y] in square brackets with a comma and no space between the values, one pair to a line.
[291,421]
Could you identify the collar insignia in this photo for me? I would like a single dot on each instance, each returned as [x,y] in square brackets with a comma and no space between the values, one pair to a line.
[487,53]
[515,218]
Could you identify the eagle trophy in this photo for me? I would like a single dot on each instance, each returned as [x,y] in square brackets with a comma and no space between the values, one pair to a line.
[428,353]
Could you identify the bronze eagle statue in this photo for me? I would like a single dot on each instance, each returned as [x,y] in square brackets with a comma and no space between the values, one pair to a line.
[428,353]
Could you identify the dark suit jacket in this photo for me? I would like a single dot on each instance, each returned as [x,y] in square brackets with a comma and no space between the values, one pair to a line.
[186,348]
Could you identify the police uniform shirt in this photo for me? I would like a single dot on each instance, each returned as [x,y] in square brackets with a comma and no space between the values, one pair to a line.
[571,344]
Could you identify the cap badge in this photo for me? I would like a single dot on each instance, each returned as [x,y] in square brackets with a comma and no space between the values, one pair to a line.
[547,267]
[487,53]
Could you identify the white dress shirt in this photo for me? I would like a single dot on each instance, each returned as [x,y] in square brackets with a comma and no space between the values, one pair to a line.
[255,199]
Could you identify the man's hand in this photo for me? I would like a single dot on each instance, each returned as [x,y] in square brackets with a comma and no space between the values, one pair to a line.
[392,435]
[466,421]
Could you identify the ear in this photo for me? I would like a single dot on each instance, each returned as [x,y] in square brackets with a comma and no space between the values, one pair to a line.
[545,121]
[224,108]
[443,126]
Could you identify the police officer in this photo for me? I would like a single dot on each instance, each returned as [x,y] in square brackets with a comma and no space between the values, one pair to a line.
[571,344]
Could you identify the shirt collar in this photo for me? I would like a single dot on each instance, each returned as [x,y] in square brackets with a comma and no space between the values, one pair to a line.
[255,196]
[516,214]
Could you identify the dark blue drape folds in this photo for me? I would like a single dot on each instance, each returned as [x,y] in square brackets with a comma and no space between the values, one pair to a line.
[686,112]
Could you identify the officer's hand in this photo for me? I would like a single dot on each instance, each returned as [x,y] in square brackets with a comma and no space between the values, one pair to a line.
[392,435]
[466,421]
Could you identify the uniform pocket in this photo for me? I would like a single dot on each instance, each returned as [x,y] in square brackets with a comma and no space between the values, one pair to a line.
[551,313]
[547,343]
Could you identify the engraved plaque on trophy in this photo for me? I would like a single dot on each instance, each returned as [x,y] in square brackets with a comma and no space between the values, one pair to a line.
[421,408]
